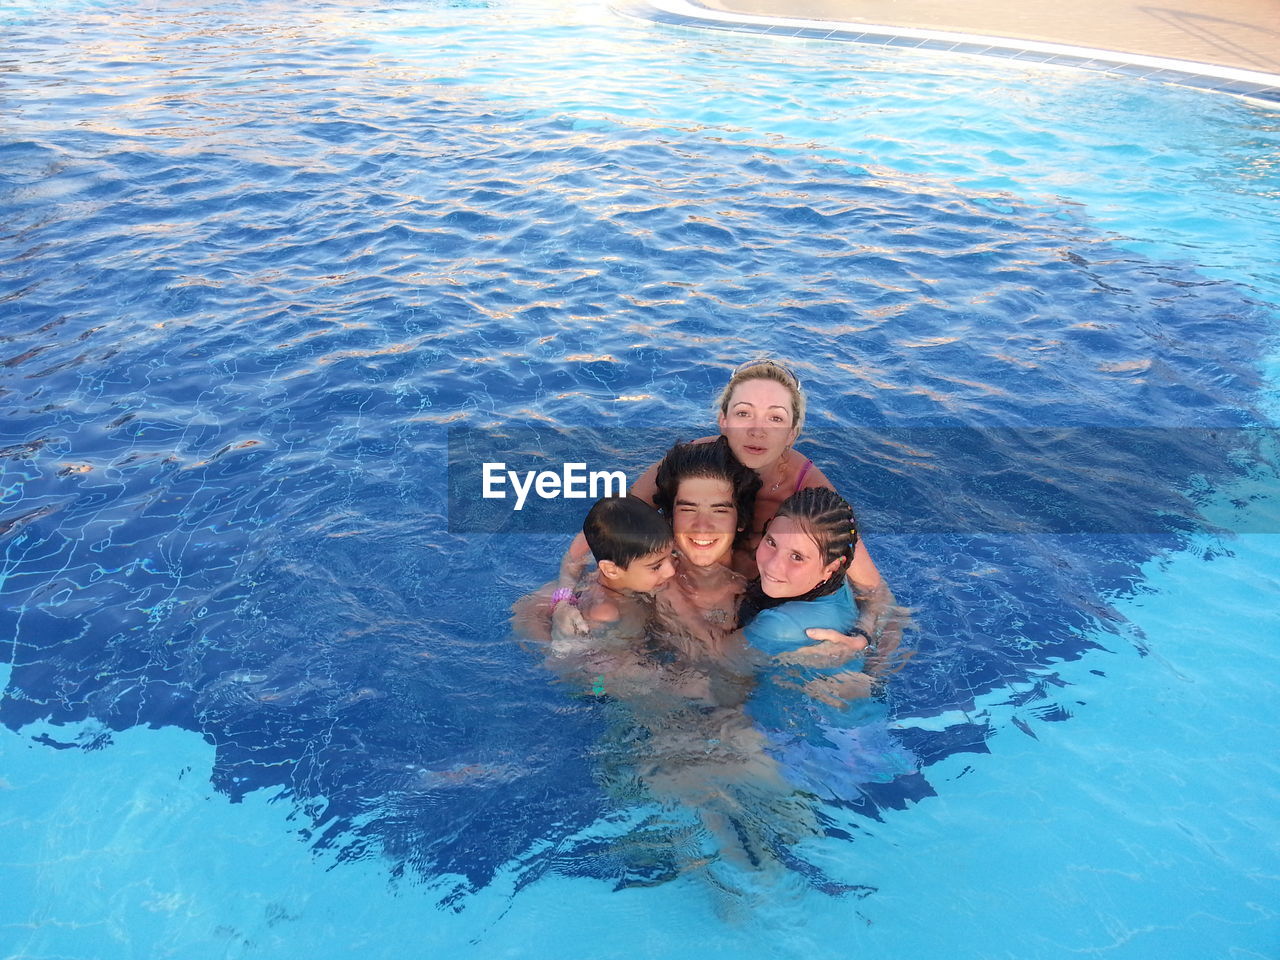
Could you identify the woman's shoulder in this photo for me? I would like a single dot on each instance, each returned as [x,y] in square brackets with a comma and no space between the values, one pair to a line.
[811,475]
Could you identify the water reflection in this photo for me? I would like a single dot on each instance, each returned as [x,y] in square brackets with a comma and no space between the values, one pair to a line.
[551,243]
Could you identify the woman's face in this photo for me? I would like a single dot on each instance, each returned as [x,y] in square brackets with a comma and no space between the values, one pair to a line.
[759,423]
[789,560]
[704,520]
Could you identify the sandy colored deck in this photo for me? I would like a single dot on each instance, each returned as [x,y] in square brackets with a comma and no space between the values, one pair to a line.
[1233,33]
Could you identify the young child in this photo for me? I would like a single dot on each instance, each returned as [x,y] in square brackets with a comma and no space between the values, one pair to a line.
[632,545]
[802,557]
[834,740]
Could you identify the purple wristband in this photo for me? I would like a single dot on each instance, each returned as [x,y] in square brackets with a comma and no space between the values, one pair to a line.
[563,593]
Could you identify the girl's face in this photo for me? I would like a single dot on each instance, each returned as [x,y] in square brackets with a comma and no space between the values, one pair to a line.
[759,424]
[790,561]
[704,520]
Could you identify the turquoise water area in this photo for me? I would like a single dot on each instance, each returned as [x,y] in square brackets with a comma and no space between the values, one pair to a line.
[261,700]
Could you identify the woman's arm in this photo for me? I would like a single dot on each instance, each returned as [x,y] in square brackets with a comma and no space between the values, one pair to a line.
[875,608]
[863,575]
[874,605]
[566,620]
[831,687]
[646,485]
[573,562]
[882,645]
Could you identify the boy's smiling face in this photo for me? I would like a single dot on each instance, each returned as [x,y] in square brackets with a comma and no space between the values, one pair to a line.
[642,575]
[705,520]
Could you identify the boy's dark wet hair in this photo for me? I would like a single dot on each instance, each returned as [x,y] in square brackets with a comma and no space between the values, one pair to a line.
[827,517]
[714,461]
[624,529]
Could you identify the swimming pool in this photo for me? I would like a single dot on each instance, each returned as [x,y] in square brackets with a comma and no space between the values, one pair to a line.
[260,700]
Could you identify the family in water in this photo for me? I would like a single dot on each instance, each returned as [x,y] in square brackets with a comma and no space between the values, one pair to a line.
[731,595]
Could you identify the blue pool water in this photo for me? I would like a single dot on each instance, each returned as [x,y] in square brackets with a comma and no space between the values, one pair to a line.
[261,700]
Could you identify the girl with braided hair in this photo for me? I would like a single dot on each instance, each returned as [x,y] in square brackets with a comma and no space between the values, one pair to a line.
[803,558]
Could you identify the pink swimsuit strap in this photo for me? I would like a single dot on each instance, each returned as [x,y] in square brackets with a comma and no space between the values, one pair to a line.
[803,471]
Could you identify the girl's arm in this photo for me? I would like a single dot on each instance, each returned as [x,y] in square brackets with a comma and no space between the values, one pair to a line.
[833,649]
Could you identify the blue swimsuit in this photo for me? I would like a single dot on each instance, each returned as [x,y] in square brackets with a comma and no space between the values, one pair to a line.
[825,751]
[782,628]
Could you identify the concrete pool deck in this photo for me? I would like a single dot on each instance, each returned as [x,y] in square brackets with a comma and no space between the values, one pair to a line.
[1241,34]
[1233,48]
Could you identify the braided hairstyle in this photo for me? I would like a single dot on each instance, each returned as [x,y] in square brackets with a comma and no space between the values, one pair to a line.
[825,516]
[714,461]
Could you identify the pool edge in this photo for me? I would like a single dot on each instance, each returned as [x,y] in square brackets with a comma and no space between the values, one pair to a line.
[1250,84]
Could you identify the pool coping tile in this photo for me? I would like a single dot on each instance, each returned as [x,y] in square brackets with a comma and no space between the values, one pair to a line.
[1202,76]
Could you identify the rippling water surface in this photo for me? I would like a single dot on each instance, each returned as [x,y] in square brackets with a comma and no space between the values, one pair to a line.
[258,258]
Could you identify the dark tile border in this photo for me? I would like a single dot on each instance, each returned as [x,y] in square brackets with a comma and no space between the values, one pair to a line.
[1266,87]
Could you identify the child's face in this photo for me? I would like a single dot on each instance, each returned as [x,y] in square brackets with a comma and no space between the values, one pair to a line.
[705,520]
[789,560]
[645,574]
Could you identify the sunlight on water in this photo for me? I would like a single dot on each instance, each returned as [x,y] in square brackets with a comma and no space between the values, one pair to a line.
[263,259]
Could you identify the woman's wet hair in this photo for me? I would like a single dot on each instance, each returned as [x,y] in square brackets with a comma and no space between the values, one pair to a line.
[827,518]
[624,529]
[765,370]
[714,461]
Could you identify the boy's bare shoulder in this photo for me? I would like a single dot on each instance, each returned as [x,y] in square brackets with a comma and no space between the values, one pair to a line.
[601,612]
[597,606]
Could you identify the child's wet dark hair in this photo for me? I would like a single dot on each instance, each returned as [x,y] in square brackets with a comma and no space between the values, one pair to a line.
[714,461]
[624,529]
[825,516]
